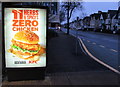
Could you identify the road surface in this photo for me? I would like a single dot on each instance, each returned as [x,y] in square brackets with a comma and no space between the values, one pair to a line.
[101,45]
[62,56]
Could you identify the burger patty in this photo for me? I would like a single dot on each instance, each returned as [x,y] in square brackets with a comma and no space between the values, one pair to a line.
[20,53]
[33,47]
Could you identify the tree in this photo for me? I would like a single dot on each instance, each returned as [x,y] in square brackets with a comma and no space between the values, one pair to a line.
[62,16]
[68,8]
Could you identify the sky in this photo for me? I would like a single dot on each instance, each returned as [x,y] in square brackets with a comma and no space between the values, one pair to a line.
[94,7]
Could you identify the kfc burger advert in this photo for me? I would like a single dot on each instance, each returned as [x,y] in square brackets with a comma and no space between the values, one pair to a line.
[25,37]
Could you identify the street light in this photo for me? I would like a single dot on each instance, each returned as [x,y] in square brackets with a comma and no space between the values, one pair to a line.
[77,34]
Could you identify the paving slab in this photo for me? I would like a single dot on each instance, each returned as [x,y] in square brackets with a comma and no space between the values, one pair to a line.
[47,81]
[93,78]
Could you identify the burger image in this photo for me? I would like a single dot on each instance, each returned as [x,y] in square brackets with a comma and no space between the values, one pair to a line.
[25,45]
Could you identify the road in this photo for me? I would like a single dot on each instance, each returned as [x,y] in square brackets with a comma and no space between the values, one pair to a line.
[102,46]
[62,56]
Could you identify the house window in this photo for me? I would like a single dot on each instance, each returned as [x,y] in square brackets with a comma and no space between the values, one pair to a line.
[52,4]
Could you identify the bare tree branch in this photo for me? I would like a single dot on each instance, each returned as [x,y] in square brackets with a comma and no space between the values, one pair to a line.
[68,8]
[71,12]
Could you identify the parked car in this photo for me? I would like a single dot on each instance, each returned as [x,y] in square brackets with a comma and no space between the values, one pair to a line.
[54,28]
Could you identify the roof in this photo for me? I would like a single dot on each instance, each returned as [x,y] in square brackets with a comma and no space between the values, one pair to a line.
[86,18]
[97,16]
[104,14]
[91,15]
[116,16]
[112,13]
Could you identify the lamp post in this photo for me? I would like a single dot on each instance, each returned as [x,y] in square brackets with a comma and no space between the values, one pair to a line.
[77,35]
[68,17]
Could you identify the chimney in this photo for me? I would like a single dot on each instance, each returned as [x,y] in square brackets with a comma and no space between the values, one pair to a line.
[99,12]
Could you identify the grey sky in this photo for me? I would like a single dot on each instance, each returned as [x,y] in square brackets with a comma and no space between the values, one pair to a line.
[93,7]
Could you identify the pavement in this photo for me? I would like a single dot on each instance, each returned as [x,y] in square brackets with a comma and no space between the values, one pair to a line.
[70,66]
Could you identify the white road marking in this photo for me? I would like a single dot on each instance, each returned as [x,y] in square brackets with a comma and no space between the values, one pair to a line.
[94,43]
[114,50]
[82,48]
[73,35]
[102,46]
[96,59]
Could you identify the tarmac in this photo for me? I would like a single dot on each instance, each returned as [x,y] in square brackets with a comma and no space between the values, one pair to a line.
[90,76]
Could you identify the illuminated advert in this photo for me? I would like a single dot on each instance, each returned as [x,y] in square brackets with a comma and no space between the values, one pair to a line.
[25,37]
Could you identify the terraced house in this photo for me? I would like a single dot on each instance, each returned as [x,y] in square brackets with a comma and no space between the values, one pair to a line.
[111,20]
[103,17]
[108,22]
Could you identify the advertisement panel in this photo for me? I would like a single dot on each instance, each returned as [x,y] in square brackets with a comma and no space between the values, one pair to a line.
[25,37]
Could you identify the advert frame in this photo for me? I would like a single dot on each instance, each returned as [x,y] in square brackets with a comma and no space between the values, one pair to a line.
[3,31]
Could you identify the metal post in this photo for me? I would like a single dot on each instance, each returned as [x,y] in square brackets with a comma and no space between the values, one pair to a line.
[76,42]
[77,36]
[68,18]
